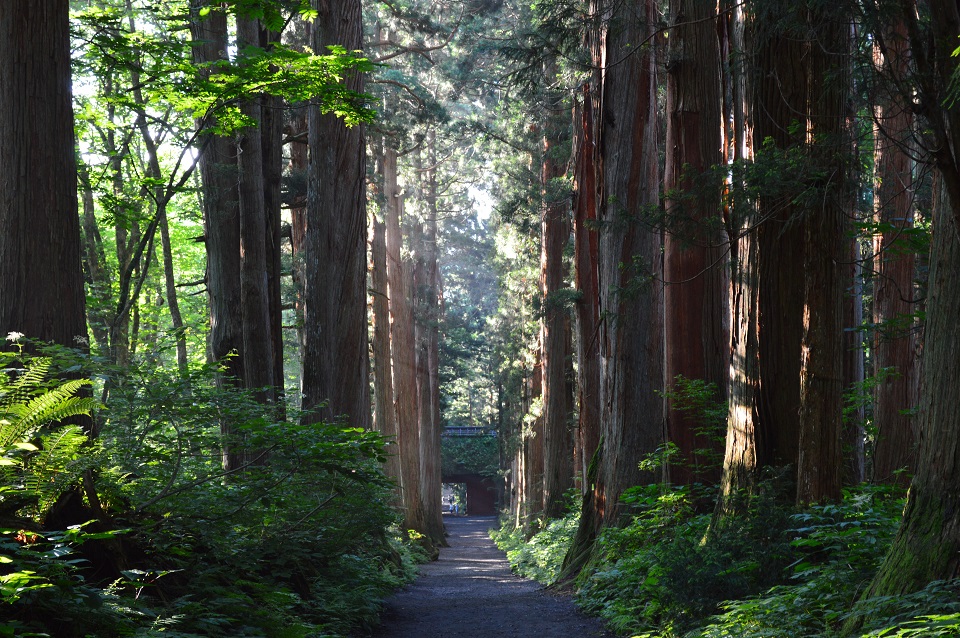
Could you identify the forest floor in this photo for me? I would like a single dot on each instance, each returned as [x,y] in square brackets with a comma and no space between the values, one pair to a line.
[471,593]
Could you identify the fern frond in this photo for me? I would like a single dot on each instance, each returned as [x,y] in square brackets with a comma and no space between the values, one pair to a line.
[64,443]
[60,463]
[53,405]
[25,385]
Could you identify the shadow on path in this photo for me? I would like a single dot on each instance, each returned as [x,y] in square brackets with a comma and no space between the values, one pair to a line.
[471,593]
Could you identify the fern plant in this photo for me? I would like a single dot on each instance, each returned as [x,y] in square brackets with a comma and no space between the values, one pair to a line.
[38,459]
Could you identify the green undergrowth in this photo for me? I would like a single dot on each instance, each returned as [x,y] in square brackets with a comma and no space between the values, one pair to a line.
[769,572]
[540,556]
[140,532]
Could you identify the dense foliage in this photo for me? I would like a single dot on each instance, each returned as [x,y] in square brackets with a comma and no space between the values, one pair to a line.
[471,455]
[773,572]
[141,532]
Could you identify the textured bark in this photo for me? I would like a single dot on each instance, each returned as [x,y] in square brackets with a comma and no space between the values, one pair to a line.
[819,463]
[532,461]
[695,265]
[384,420]
[41,276]
[587,206]
[221,218]
[779,100]
[254,289]
[740,453]
[335,366]
[554,337]
[271,135]
[404,356]
[427,322]
[894,343]
[587,309]
[927,546]
[630,268]
[740,462]
[798,92]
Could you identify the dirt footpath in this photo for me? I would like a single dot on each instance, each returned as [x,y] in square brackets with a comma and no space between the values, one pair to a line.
[471,593]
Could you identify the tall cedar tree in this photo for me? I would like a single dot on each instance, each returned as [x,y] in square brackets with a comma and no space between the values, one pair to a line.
[335,363]
[695,254]
[385,417]
[630,267]
[786,373]
[779,108]
[927,545]
[587,307]
[41,280]
[894,344]
[402,350]
[221,216]
[555,322]
[258,373]
[427,314]
[819,462]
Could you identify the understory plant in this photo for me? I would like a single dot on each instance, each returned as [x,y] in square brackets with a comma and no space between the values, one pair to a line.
[770,571]
[150,536]
[541,556]
[671,565]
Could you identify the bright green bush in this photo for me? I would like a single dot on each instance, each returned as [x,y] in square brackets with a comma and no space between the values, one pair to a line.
[541,556]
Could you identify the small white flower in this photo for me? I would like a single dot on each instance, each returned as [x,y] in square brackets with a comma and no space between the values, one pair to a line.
[14,336]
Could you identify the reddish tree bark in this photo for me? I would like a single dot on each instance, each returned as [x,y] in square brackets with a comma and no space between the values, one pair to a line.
[695,260]
[41,276]
[587,309]
[630,269]
[532,461]
[335,365]
[820,460]
[385,420]
[427,322]
[894,342]
[557,402]
[402,346]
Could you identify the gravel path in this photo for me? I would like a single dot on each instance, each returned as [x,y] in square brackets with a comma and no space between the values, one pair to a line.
[471,593]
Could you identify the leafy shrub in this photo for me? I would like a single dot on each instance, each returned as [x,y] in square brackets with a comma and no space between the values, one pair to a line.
[470,455]
[301,541]
[667,569]
[541,556]
[297,538]
[837,550]
[932,611]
